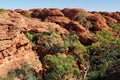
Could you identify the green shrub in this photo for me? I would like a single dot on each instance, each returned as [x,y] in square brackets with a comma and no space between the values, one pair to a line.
[93,60]
[78,49]
[6,78]
[27,15]
[47,42]
[30,37]
[105,37]
[88,24]
[103,53]
[60,67]
[2,10]
[24,73]
[46,20]
[82,19]
[116,28]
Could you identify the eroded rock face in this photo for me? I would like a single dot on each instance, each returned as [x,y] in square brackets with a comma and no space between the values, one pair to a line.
[114,15]
[84,34]
[43,13]
[51,12]
[15,48]
[110,20]
[64,18]
[73,13]
[98,22]
[62,21]
[11,18]
[36,12]
[38,26]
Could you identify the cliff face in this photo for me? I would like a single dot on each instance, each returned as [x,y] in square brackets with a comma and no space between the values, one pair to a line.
[75,20]
[16,49]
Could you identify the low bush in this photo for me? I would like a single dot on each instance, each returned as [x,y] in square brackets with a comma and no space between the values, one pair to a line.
[6,78]
[24,73]
[103,54]
[2,10]
[27,15]
[116,28]
[60,67]
[82,19]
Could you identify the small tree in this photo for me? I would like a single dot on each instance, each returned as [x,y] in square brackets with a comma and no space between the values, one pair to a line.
[59,67]
[103,53]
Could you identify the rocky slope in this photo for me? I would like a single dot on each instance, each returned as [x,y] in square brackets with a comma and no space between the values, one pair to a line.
[15,48]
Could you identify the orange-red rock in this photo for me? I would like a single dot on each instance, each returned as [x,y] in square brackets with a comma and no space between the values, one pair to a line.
[98,22]
[72,13]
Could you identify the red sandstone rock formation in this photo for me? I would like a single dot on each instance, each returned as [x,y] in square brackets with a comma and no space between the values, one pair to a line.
[15,48]
[110,20]
[73,13]
[98,22]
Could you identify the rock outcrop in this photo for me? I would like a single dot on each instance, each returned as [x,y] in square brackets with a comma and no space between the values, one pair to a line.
[15,48]
[98,22]
[64,18]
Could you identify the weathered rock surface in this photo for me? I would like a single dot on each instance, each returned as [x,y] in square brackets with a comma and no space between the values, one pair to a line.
[64,18]
[73,13]
[36,12]
[114,15]
[98,22]
[110,20]
[15,48]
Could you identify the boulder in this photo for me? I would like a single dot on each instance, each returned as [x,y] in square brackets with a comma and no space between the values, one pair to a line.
[18,10]
[50,12]
[110,20]
[62,21]
[110,14]
[85,36]
[26,13]
[72,13]
[36,13]
[116,16]
[98,22]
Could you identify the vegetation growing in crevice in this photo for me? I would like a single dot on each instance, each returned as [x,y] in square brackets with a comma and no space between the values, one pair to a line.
[2,10]
[46,42]
[82,19]
[27,15]
[24,73]
[116,28]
